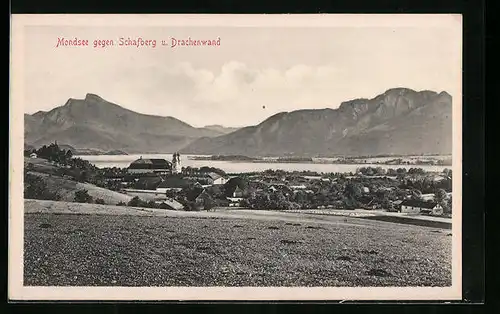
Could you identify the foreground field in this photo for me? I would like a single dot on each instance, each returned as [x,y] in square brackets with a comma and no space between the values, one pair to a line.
[214,249]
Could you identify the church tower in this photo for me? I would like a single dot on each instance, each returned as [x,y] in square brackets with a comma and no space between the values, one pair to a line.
[176,163]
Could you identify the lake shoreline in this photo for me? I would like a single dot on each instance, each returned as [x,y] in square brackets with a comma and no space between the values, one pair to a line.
[251,166]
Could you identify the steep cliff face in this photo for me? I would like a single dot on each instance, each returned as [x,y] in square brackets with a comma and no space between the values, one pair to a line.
[400,121]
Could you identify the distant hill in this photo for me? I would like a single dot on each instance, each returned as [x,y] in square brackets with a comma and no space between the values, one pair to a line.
[96,124]
[399,121]
[220,129]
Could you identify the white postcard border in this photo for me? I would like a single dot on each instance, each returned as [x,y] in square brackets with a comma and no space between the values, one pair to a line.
[16,139]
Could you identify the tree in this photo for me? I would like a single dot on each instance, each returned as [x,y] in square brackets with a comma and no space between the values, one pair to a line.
[380,171]
[261,200]
[352,190]
[442,199]
[36,188]
[401,170]
[208,203]
[440,196]
[386,204]
[83,176]
[135,202]
[82,196]
[416,194]
[30,167]
[152,204]
[245,203]
[448,209]
[352,194]
[447,172]
[100,201]
[391,172]
[69,154]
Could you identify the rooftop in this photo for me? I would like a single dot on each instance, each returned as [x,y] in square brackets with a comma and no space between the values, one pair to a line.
[147,163]
[213,175]
[173,183]
[417,203]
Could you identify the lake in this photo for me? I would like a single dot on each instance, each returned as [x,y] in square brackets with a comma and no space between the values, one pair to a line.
[123,161]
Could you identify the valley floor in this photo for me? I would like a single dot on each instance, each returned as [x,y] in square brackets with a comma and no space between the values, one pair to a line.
[69,244]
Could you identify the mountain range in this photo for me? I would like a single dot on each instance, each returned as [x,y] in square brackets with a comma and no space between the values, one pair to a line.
[94,123]
[220,129]
[399,121]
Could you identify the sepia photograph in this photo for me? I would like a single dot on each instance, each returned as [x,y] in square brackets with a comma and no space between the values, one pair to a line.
[238,157]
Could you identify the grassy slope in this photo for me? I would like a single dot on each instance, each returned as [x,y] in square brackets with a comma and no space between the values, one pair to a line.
[127,250]
[66,189]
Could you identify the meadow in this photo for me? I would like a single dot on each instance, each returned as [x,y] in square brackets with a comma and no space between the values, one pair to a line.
[102,245]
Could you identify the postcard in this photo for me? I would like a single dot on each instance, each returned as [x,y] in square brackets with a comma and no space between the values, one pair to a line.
[235,157]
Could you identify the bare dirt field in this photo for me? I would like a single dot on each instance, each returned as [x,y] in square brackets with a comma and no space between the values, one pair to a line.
[97,245]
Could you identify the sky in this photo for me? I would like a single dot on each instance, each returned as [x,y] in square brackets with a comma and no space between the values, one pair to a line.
[254,73]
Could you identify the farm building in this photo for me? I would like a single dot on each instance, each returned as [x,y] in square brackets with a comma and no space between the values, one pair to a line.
[171,204]
[202,196]
[397,204]
[33,155]
[416,206]
[203,200]
[147,183]
[207,178]
[172,183]
[147,165]
[216,178]
[274,187]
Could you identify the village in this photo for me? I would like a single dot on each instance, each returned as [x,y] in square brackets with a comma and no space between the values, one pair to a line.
[167,184]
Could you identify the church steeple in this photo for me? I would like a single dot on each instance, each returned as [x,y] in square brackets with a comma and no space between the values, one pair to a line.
[176,163]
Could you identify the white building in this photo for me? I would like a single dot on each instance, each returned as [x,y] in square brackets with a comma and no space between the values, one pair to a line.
[216,178]
[234,201]
[417,207]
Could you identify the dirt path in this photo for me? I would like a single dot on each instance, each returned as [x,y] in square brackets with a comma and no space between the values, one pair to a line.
[40,206]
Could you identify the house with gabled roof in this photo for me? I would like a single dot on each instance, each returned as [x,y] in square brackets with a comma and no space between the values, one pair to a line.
[171,204]
[207,178]
[421,207]
[172,183]
[202,199]
[216,178]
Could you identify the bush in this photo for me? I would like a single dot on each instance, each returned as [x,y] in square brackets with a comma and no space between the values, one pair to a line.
[36,188]
[121,204]
[30,167]
[191,206]
[137,202]
[82,196]
[151,204]
[100,201]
